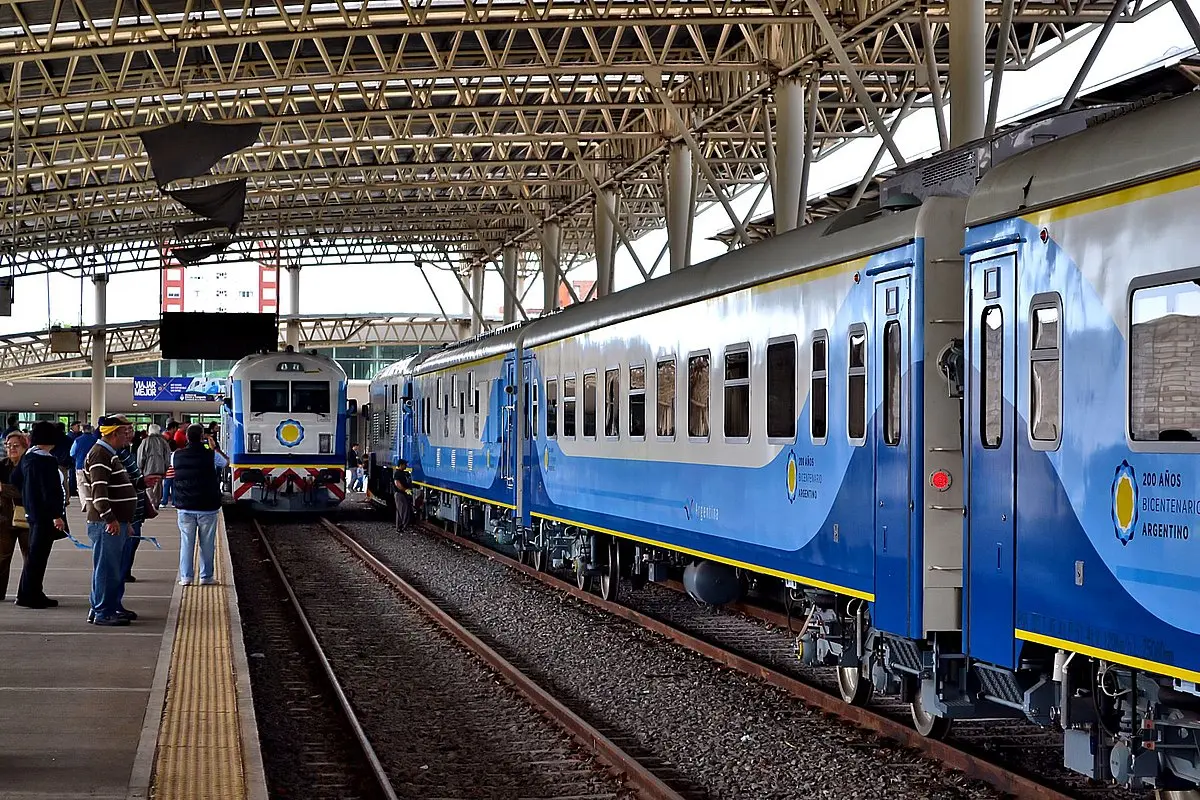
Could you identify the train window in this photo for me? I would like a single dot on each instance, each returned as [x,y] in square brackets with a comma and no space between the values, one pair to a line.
[737,392]
[439,394]
[781,389]
[893,385]
[268,397]
[612,402]
[471,386]
[568,423]
[1164,385]
[819,388]
[589,404]
[665,402]
[637,401]
[1045,371]
[534,426]
[426,400]
[552,407]
[310,397]
[856,384]
[991,412]
[698,395]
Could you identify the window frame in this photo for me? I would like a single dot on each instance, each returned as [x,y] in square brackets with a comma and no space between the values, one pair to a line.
[854,372]
[616,436]
[983,383]
[794,341]
[438,394]
[688,396]
[575,394]
[885,408]
[673,360]
[595,405]
[819,335]
[748,382]
[1039,301]
[1136,284]
[630,392]
[552,407]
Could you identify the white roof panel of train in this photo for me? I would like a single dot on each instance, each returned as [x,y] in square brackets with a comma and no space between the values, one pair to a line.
[1141,145]
[263,365]
[497,343]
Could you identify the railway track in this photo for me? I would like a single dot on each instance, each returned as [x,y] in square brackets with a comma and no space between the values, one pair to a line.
[437,712]
[1012,756]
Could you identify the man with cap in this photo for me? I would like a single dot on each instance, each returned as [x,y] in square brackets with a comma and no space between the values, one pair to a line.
[403,494]
[198,498]
[111,502]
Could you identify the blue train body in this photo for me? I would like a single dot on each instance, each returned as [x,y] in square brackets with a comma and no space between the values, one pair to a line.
[963,433]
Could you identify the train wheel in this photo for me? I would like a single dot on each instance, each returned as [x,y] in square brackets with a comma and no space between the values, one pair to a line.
[538,558]
[582,579]
[611,579]
[927,724]
[853,687]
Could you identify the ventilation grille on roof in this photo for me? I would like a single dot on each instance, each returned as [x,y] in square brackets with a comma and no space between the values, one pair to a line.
[949,168]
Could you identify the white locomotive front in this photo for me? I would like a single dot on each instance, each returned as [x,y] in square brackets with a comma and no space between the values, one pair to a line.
[284,427]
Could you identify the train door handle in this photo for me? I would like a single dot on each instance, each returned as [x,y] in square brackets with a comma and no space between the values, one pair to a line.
[884,531]
[999,556]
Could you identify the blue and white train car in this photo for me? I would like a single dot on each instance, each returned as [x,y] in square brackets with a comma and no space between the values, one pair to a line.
[284,424]
[391,432]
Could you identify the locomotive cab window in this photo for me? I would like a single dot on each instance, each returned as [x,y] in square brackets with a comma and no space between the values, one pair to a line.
[637,401]
[697,395]
[552,408]
[781,389]
[589,404]
[1164,347]
[612,402]
[737,393]
[310,397]
[664,423]
[856,384]
[1045,371]
[819,388]
[568,423]
[268,397]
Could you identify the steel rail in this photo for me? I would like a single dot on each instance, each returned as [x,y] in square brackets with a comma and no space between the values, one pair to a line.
[381,776]
[814,696]
[647,784]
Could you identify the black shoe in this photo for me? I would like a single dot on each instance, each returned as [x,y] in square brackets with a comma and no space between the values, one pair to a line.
[110,622]
[33,604]
[50,602]
[130,579]
[124,613]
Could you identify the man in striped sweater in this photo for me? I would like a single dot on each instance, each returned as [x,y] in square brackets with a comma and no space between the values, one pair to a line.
[111,503]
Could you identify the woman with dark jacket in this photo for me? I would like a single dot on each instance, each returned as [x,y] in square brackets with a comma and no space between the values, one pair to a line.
[45,508]
[15,445]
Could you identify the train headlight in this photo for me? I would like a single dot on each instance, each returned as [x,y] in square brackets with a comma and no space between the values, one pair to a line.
[254,443]
[325,441]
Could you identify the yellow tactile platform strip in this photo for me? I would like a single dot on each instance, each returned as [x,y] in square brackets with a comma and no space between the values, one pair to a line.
[199,745]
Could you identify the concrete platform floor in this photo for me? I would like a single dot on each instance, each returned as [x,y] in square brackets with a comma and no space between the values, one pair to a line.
[73,697]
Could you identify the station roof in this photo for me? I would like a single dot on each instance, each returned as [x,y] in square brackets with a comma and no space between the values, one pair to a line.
[413,127]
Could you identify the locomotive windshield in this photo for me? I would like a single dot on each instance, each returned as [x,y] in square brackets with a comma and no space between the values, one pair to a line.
[268,397]
[310,397]
[282,397]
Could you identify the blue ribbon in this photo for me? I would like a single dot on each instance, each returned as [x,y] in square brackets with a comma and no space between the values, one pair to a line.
[152,540]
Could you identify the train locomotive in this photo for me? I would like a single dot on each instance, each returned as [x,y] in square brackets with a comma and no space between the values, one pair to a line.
[284,426]
[959,427]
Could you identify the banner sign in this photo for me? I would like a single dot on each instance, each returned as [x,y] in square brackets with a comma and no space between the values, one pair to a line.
[176,390]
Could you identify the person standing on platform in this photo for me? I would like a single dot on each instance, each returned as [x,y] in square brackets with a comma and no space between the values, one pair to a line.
[13,531]
[144,510]
[153,458]
[181,439]
[112,500]
[13,425]
[45,509]
[75,431]
[403,495]
[80,448]
[198,498]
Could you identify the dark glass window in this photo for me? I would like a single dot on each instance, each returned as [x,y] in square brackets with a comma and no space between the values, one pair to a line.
[637,401]
[737,394]
[568,423]
[612,402]
[856,384]
[268,397]
[552,407]
[819,394]
[781,390]
[589,404]
[893,383]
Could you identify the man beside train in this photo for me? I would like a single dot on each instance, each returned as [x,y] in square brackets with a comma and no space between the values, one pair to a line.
[403,495]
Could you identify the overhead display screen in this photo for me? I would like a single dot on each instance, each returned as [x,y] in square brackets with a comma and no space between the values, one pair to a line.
[196,335]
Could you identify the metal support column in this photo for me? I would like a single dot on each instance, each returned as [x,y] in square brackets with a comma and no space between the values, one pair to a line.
[968,56]
[550,274]
[606,241]
[679,207]
[476,299]
[1109,22]
[293,325]
[99,346]
[510,283]
[789,153]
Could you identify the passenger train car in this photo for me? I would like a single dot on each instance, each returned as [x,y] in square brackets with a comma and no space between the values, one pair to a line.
[961,428]
[283,425]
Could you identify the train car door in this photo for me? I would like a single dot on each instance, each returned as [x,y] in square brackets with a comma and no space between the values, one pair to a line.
[529,445]
[409,409]
[891,352]
[508,404]
[990,436]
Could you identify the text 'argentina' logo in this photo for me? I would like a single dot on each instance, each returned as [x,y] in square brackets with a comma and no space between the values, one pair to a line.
[1125,502]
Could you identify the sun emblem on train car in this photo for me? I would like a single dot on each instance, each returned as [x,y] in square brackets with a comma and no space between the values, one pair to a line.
[793,474]
[1125,502]
[289,433]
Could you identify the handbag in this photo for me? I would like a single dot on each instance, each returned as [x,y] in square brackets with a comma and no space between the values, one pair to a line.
[18,517]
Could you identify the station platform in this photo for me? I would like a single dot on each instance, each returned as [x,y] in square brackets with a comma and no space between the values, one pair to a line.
[161,708]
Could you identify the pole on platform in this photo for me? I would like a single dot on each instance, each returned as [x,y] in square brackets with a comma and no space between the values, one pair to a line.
[550,273]
[606,242]
[293,325]
[968,57]
[510,283]
[789,153]
[99,346]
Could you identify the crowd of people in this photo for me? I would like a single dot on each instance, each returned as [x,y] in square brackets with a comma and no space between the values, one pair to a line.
[121,478]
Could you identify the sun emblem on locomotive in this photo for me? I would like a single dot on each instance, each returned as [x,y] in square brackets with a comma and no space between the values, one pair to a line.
[792,477]
[1124,502]
[289,433]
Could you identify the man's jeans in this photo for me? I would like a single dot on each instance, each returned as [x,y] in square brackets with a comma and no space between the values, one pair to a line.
[192,523]
[108,568]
